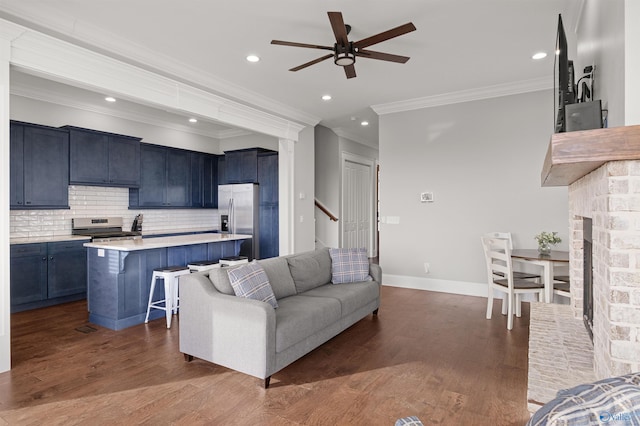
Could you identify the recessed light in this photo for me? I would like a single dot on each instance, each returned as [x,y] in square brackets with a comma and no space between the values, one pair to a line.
[110,99]
[364,123]
[193,120]
[539,55]
[253,58]
[326,97]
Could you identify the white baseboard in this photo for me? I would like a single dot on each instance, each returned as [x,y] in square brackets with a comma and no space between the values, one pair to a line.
[443,286]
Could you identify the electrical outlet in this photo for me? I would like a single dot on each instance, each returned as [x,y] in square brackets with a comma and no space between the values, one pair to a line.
[427,267]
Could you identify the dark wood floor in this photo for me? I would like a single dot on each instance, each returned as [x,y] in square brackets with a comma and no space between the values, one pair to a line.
[428,354]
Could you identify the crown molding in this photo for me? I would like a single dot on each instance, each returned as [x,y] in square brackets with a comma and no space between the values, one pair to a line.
[487,92]
[68,63]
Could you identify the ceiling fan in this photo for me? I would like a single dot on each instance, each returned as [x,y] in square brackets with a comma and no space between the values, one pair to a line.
[345,51]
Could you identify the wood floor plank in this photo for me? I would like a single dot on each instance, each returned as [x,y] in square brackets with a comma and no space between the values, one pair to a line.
[432,355]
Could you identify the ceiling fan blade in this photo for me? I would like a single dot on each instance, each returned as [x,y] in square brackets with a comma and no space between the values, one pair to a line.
[294,44]
[350,71]
[382,56]
[379,38]
[308,64]
[339,29]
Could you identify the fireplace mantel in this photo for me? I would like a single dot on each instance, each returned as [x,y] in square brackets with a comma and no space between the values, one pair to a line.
[572,155]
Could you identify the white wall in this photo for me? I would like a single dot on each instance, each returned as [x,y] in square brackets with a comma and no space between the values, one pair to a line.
[482,160]
[327,185]
[601,41]
[304,192]
[632,62]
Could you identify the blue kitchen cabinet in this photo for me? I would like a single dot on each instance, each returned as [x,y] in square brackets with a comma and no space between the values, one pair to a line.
[222,170]
[210,181]
[41,179]
[242,165]
[103,159]
[197,179]
[165,178]
[66,269]
[28,282]
[45,274]
[269,209]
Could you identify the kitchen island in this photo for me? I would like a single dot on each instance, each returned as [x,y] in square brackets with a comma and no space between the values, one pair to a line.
[119,272]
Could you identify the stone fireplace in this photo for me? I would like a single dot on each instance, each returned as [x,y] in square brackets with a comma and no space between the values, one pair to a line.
[610,197]
[601,167]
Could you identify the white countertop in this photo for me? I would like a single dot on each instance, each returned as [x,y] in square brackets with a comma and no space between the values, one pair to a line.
[178,231]
[50,239]
[163,242]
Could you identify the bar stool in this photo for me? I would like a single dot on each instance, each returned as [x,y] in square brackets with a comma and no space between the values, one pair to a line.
[169,275]
[202,265]
[233,260]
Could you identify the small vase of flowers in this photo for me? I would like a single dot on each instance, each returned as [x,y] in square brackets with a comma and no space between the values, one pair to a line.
[546,240]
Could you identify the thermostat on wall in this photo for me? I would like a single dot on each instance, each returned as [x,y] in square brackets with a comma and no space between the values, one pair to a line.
[426,197]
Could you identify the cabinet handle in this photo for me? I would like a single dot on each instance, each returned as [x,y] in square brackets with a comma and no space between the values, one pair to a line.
[44,259]
[51,258]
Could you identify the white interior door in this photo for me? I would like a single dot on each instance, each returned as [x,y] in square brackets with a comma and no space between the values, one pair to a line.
[357,205]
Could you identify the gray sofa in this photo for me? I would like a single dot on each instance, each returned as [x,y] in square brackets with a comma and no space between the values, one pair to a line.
[251,336]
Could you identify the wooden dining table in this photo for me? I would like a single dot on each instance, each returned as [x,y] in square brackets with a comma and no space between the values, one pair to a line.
[547,262]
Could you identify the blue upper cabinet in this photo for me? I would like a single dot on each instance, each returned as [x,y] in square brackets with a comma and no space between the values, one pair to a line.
[103,159]
[210,181]
[241,166]
[39,167]
[165,178]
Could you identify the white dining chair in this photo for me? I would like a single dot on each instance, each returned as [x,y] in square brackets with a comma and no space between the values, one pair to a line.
[516,273]
[500,277]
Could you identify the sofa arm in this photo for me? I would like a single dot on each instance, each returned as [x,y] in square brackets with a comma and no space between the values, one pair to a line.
[376,272]
[231,331]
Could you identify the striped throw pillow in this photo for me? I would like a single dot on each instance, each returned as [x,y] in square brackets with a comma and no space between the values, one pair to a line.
[349,265]
[251,281]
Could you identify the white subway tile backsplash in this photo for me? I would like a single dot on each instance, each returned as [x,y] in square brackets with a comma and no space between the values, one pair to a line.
[91,201]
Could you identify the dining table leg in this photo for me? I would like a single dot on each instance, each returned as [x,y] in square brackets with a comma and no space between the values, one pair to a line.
[548,282]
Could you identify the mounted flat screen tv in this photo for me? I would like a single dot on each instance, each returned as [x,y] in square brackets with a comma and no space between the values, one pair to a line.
[564,91]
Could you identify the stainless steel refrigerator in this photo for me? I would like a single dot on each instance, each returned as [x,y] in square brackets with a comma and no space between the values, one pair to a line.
[238,206]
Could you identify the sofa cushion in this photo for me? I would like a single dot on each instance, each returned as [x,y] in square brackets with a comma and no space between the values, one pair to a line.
[299,317]
[349,265]
[250,281]
[351,297]
[277,270]
[310,269]
[220,279]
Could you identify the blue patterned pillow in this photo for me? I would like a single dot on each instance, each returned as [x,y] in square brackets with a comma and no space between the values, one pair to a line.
[349,265]
[251,281]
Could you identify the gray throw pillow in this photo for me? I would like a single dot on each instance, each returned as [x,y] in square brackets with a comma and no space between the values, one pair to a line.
[310,269]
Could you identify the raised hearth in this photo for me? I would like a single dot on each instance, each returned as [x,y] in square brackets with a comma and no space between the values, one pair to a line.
[560,353]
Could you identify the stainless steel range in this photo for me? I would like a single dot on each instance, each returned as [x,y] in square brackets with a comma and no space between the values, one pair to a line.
[102,229]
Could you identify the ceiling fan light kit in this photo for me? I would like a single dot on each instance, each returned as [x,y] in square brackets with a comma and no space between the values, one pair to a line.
[345,51]
[344,56]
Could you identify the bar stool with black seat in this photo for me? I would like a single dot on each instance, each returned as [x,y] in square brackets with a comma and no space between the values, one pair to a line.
[170,276]
[202,265]
[233,260]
